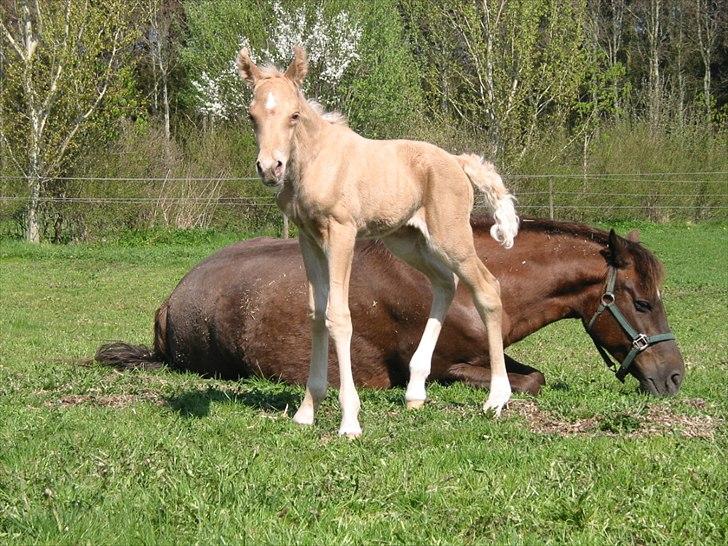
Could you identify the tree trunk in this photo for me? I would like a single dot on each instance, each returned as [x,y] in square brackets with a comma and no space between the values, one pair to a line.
[32,228]
[654,33]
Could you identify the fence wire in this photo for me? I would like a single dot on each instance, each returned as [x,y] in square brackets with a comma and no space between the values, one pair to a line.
[88,207]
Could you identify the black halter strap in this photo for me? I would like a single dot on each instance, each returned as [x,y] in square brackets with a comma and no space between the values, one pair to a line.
[640,341]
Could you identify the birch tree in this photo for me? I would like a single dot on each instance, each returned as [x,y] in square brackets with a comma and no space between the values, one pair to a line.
[708,15]
[504,67]
[64,83]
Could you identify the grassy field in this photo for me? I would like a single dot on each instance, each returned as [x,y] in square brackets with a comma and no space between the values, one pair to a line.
[89,455]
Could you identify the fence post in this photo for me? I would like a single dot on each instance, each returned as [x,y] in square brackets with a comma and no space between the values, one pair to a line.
[285,227]
[551,198]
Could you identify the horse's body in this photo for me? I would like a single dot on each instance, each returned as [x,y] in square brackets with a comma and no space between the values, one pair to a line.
[243,310]
[338,186]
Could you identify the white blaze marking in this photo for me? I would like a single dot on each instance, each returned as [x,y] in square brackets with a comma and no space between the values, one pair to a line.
[270,102]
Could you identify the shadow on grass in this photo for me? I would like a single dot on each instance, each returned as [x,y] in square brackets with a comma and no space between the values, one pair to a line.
[196,403]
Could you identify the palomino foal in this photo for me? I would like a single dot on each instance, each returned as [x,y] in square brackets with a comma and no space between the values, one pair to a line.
[337,186]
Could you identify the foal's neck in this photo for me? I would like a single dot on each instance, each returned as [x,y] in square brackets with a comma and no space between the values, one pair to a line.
[308,139]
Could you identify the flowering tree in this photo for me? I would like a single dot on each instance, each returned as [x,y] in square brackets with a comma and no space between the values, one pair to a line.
[332,46]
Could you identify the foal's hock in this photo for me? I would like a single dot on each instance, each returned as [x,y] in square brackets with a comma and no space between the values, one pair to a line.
[338,186]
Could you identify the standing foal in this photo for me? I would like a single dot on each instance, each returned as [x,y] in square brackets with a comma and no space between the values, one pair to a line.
[336,186]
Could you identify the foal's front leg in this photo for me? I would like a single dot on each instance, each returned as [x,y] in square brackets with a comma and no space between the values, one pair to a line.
[318,292]
[339,249]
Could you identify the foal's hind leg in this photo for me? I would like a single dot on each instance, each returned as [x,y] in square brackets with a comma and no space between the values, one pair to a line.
[485,290]
[410,245]
[454,240]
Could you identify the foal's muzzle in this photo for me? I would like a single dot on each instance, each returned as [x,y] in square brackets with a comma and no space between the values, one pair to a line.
[271,172]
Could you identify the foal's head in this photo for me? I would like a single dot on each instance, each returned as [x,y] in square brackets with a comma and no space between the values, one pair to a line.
[274,111]
[659,367]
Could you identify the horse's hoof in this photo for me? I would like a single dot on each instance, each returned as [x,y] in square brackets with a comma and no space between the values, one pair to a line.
[351,431]
[303,418]
[415,404]
[493,409]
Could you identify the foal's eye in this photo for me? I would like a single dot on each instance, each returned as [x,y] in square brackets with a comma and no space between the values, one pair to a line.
[295,116]
[642,306]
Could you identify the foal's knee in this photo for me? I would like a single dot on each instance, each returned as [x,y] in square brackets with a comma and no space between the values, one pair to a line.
[338,324]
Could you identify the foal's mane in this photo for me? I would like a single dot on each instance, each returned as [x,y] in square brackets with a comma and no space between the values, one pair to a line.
[648,267]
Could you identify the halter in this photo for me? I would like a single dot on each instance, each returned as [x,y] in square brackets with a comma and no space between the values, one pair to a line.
[640,341]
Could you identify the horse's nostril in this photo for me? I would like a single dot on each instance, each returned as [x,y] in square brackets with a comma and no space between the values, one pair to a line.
[676,378]
[279,165]
[258,167]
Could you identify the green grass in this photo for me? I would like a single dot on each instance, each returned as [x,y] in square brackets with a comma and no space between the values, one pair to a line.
[89,455]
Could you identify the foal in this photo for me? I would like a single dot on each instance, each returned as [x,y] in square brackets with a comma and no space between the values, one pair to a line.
[337,186]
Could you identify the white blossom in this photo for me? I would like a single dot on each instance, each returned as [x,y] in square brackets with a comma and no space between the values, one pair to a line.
[332,46]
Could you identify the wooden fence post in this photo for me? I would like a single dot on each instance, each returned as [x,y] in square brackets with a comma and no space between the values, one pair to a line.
[551,199]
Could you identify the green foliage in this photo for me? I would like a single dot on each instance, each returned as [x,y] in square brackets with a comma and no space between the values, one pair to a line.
[150,457]
[506,70]
[83,56]
[379,92]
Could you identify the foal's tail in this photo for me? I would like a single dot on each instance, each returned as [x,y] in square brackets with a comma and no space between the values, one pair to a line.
[483,176]
[125,356]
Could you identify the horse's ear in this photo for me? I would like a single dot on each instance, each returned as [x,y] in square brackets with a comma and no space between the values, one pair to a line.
[247,69]
[616,251]
[298,68]
[634,236]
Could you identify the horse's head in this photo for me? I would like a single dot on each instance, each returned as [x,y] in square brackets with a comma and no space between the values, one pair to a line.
[274,111]
[630,321]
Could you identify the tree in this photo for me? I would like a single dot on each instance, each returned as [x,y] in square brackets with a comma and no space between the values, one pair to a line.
[708,15]
[503,68]
[67,81]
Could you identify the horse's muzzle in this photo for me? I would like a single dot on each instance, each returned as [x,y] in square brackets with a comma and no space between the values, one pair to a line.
[662,385]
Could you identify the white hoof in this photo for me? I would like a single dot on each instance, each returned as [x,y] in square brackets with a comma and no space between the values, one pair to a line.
[500,394]
[415,404]
[304,416]
[350,430]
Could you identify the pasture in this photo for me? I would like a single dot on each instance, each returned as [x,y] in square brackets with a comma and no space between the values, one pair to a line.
[90,455]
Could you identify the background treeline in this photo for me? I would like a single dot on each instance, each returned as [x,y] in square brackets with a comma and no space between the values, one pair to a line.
[145,90]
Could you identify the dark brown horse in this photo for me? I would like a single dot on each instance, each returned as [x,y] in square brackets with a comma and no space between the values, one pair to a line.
[243,311]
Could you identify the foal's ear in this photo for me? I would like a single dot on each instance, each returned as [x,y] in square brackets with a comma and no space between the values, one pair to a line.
[298,68]
[247,69]
[634,236]
[616,252]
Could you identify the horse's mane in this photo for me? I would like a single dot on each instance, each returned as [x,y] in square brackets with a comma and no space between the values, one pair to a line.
[647,265]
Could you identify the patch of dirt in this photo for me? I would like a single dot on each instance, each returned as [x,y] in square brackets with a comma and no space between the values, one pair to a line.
[658,420]
[106,401]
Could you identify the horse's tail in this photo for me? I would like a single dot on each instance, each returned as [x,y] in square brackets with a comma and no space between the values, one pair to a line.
[125,356]
[483,176]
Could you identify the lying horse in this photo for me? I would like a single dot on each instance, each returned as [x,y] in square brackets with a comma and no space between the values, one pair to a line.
[243,311]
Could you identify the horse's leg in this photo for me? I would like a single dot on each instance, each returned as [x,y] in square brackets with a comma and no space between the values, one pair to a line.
[314,261]
[411,246]
[523,378]
[339,248]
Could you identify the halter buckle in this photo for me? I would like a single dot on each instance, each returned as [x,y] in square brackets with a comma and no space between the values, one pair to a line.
[641,342]
[607,299]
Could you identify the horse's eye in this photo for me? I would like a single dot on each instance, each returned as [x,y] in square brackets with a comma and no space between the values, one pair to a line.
[642,306]
[295,116]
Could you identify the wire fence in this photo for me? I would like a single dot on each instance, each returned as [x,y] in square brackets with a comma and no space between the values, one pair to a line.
[88,207]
